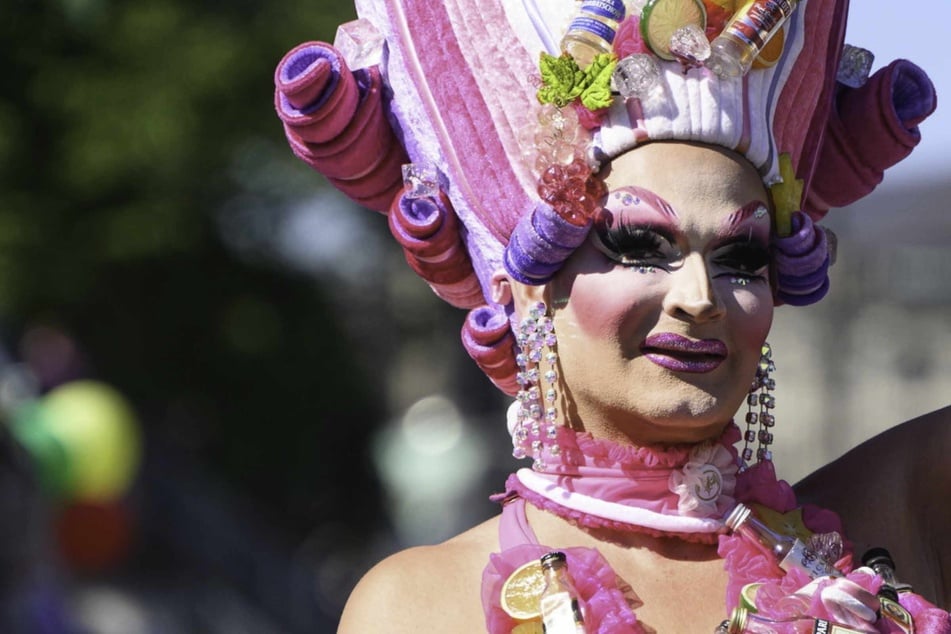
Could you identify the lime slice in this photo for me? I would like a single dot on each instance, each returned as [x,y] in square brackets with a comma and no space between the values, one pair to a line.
[529,627]
[748,596]
[522,591]
[661,18]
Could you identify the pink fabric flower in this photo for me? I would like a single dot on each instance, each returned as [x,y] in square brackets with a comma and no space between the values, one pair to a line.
[747,563]
[628,40]
[928,618]
[590,119]
[759,484]
[706,483]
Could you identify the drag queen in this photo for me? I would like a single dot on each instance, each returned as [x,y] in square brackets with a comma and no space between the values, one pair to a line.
[620,194]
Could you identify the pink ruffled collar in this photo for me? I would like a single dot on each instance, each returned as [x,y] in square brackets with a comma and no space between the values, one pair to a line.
[608,601]
[683,490]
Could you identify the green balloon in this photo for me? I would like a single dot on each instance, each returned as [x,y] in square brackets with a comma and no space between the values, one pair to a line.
[49,455]
[99,434]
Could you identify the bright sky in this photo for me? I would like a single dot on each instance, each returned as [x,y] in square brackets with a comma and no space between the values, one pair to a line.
[920,31]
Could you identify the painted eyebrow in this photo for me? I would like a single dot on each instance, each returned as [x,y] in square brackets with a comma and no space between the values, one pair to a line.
[734,220]
[631,195]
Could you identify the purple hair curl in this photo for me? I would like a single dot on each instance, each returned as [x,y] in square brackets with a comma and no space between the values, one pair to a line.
[870,129]
[334,121]
[540,244]
[428,231]
[488,339]
[802,263]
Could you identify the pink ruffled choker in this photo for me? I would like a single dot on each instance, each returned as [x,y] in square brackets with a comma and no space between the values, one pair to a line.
[682,491]
[670,492]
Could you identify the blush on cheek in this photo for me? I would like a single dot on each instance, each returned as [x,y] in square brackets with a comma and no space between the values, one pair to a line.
[601,305]
[755,316]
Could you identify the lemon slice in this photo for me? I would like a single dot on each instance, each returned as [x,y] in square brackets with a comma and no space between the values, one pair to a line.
[661,18]
[522,591]
[748,596]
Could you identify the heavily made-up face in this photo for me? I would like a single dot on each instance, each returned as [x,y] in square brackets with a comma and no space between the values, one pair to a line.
[662,313]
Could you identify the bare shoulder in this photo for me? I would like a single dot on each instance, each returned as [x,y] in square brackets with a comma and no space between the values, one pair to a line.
[426,588]
[892,491]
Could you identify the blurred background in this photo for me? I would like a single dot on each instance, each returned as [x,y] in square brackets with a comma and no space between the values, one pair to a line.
[224,396]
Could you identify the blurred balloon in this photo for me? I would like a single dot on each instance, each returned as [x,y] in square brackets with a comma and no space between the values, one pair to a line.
[94,536]
[47,450]
[53,356]
[85,438]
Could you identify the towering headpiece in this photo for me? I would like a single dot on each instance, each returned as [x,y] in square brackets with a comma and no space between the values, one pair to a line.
[477,125]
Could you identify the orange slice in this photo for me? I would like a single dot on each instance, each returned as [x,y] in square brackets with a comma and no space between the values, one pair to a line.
[772,51]
[522,591]
[660,18]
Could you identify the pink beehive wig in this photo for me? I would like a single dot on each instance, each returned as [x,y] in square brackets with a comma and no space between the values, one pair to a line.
[460,79]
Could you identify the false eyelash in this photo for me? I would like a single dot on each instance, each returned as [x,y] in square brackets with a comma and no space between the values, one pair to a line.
[744,257]
[629,244]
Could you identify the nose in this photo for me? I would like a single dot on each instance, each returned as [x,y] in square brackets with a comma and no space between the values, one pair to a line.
[691,295]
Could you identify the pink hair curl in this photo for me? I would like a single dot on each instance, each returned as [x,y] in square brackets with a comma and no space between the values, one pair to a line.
[488,339]
[870,129]
[334,122]
[428,231]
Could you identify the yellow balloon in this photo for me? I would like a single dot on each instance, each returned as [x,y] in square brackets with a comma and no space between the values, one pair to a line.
[100,434]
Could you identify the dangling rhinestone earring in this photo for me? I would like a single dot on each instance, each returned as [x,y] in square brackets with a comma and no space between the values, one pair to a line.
[760,398]
[537,422]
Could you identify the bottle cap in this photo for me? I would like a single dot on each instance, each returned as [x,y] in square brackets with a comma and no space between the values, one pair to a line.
[738,620]
[553,559]
[875,556]
[737,516]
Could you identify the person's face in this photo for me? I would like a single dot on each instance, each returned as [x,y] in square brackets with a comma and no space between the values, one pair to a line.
[662,313]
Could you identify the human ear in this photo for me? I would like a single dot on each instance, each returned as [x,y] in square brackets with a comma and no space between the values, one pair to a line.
[521,297]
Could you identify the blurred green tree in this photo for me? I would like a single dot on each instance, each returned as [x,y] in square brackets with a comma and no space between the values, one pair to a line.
[125,128]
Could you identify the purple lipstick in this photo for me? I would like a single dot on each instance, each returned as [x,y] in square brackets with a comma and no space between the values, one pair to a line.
[679,354]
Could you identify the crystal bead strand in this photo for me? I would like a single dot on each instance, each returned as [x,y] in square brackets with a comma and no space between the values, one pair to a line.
[537,419]
[760,403]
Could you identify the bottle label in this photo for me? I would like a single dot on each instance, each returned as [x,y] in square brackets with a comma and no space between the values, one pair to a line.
[826,627]
[805,559]
[759,20]
[894,612]
[592,26]
[610,9]
[561,614]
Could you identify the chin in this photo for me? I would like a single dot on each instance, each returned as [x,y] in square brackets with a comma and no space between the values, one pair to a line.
[692,420]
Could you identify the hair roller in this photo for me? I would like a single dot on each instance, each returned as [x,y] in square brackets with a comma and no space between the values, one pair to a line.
[541,243]
[488,339]
[870,129]
[802,263]
[335,122]
[428,231]
[316,94]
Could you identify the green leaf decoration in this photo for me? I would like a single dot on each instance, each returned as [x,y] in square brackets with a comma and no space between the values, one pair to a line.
[562,80]
[597,91]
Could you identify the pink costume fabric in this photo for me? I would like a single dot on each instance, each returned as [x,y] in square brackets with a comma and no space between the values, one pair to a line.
[604,470]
